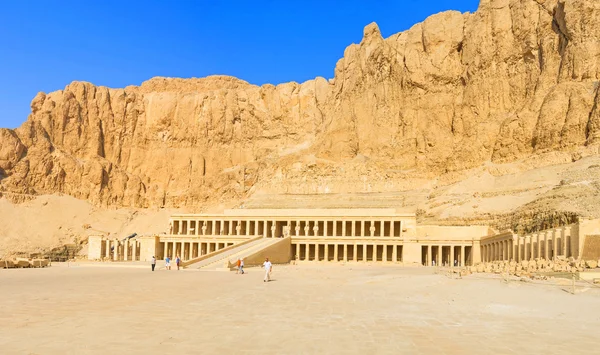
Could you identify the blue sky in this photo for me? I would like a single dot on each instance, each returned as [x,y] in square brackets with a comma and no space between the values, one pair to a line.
[44,45]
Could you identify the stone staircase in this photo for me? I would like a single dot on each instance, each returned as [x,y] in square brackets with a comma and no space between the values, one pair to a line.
[225,259]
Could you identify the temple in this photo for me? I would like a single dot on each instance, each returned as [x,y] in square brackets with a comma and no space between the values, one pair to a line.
[382,235]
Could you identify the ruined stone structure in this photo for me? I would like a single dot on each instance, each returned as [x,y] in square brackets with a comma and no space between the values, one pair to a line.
[567,241]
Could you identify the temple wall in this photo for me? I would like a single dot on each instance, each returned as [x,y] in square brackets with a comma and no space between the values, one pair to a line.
[278,253]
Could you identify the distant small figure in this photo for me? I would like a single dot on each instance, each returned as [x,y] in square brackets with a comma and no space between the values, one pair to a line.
[268,268]
[433,262]
[237,265]
[153,263]
[167,263]
[242,266]
[177,261]
[455,262]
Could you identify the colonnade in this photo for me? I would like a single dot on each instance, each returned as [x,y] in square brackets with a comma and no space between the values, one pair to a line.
[278,228]
[320,251]
[120,250]
[450,255]
[187,250]
[545,244]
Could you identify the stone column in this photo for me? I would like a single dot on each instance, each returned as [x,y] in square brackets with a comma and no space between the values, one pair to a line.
[335,231]
[335,252]
[345,252]
[372,229]
[429,259]
[326,251]
[451,256]
[354,228]
[116,250]
[555,242]
[126,250]
[439,255]
[546,252]
[316,229]
[395,253]
[462,255]
[384,253]
[307,253]
[498,250]
[344,228]
[325,222]
[365,255]
[392,228]
[107,248]
[362,228]
[382,229]
[565,234]
[135,247]
[354,257]
[297,255]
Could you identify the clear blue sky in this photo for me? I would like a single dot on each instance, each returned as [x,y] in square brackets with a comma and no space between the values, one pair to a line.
[44,45]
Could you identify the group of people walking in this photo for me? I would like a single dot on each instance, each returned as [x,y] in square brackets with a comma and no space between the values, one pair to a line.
[167,262]
[267,265]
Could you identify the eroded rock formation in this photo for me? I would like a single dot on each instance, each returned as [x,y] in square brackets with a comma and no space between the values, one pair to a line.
[516,78]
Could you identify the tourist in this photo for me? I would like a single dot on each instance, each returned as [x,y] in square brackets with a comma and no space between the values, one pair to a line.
[167,263]
[177,261]
[237,266]
[268,268]
[153,263]
[242,266]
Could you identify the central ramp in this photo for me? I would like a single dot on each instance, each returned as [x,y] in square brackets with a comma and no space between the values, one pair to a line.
[228,258]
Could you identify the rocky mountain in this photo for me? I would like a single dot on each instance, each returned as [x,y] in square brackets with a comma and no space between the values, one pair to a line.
[517,79]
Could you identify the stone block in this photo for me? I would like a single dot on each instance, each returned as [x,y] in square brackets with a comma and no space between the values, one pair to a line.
[7,264]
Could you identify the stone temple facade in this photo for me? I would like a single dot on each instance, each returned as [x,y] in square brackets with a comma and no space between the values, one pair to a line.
[338,235]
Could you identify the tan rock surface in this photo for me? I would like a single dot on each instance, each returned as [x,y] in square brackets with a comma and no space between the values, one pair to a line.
[510,88]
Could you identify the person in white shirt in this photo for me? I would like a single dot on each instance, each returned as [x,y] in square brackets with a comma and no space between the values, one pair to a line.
[268,268]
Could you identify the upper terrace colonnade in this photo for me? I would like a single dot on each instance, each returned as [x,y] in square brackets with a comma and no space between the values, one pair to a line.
[273,223]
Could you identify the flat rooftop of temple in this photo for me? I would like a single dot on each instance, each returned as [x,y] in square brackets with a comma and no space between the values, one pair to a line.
[303,212]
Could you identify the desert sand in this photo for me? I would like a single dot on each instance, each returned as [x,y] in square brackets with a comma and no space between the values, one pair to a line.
[331,309]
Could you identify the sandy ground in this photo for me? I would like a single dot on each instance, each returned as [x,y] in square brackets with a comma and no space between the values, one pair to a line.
[305,310]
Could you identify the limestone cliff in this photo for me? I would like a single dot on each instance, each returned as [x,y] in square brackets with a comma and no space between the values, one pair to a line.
[515,79]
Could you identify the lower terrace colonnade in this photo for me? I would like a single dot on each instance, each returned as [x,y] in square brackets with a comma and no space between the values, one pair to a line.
[115,249]
[446,255]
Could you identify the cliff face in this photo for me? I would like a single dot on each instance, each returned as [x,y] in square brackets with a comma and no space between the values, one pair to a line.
[517,78]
